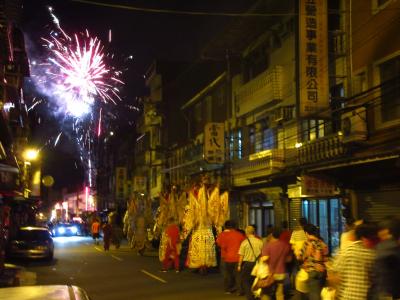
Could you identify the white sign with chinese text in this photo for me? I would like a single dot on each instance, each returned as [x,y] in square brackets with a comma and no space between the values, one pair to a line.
[214,143]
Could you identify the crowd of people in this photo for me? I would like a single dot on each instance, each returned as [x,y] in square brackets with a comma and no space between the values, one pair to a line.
[296,264]
[299,265]
[365,267]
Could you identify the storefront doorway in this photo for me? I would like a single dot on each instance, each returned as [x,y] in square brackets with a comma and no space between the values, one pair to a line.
[326,214]
[261,214]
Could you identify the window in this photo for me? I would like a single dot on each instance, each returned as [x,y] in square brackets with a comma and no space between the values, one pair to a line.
[268,139]
[313,129]
[252,139]
[325,213]
[235,144]
[232,145]
[359,83]
[258,138]
[389,72]
[261,214]
[239,144]
[256,62]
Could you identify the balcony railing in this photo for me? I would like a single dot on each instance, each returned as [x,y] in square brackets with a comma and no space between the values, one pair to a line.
[318,150]
[258,164]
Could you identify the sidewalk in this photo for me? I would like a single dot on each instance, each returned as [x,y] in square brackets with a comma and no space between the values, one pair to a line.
[10,275]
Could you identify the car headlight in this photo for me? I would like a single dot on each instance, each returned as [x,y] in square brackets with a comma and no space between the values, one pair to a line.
[74,229]
[41,247]
[61,230]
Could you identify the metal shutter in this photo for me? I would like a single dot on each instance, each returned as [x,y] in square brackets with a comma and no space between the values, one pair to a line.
[375,205]
[294,211]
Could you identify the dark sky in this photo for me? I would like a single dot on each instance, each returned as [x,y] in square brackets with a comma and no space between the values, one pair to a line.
[144,35]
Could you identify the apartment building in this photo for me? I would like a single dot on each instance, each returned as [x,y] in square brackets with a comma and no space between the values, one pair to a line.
[308,103]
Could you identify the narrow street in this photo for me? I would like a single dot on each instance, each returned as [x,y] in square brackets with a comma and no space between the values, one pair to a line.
[120,274]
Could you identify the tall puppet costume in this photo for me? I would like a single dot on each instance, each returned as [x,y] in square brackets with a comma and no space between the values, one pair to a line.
[171,210]
[203,212]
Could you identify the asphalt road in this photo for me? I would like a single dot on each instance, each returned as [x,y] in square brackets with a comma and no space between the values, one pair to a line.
[120,274]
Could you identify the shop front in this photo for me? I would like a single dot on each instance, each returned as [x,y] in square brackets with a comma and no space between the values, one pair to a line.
[317,199]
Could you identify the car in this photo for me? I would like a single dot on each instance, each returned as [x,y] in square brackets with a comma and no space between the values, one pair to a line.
[31,242]
[44,292]
[65,229]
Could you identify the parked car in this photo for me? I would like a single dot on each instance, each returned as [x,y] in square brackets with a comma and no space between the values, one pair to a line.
[31,242]
[65,229]
[44,292]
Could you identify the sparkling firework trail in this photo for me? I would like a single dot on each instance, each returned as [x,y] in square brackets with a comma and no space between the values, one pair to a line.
[57,139]
[99,125]
[56,22]
[34,104]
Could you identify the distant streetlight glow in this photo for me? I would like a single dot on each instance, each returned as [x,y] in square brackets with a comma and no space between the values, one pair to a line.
[31,154]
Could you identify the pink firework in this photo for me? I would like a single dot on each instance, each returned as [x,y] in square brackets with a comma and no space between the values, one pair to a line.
[80,73]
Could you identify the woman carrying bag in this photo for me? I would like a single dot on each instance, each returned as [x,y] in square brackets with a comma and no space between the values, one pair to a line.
[277,254]
[314,256]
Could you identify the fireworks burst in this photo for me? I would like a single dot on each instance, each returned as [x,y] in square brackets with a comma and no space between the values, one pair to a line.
[80,75]
[76,77]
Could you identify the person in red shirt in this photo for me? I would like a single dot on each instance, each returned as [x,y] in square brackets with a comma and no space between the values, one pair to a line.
[276,253]
[229,241]
[172,249]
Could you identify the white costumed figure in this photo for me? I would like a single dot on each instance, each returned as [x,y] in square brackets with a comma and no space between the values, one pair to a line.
[202,212]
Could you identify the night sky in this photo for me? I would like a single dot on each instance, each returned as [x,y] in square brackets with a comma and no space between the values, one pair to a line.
[144,35]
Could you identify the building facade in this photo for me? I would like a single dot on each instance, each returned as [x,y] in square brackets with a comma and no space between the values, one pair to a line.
[310,116]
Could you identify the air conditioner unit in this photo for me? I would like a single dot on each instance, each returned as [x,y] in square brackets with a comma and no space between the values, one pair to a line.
[354,125]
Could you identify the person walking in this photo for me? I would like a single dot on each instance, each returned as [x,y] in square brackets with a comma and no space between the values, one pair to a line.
[276,253]
[96,231]
[107,234]
[314,255]
[387,262]
[354,265]
[298,236]
[172,250]
[229,241]
[249,251]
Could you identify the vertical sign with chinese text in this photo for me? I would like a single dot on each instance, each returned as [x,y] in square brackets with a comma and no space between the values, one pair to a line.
[214,143]
[313,58]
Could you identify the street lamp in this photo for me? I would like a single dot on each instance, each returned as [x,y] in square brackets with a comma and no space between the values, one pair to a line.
[31,154]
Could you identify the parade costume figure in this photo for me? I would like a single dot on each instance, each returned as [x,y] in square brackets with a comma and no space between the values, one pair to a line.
[203,212]
[129,222]
[171,252]
[172,206]
[137,219]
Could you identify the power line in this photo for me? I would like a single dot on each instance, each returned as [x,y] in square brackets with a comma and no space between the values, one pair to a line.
[181,12]
[199,13]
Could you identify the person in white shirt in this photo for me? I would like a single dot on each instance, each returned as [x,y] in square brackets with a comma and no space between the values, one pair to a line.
[249,251]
